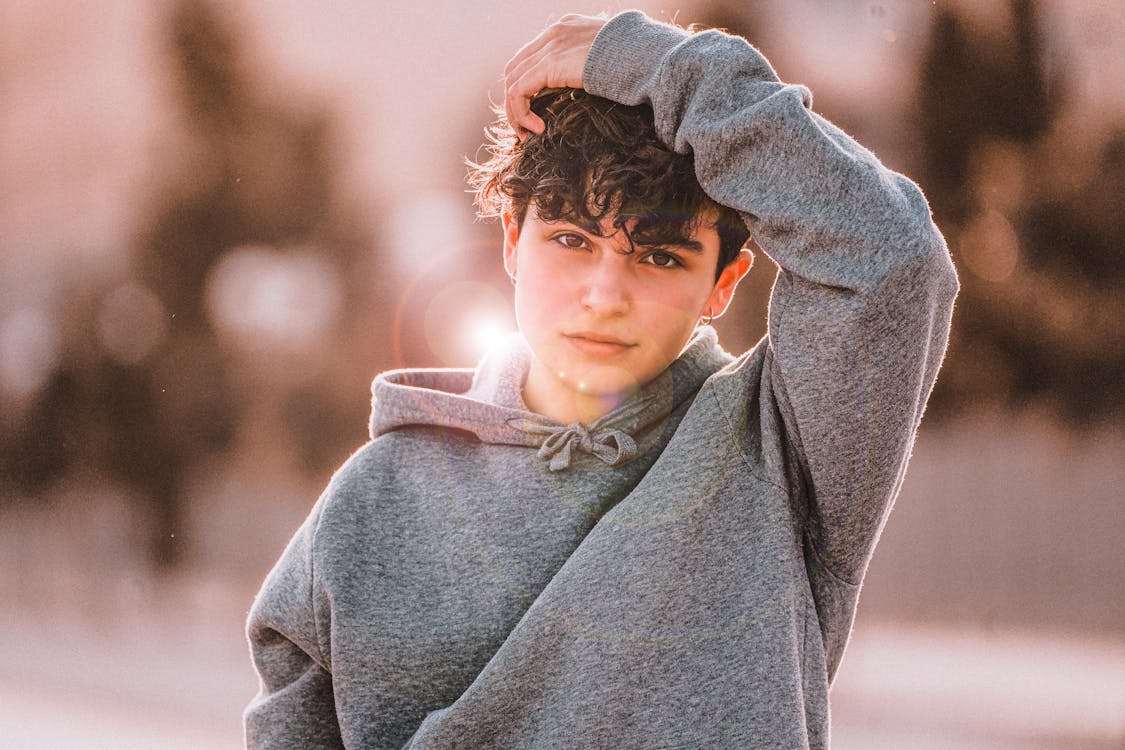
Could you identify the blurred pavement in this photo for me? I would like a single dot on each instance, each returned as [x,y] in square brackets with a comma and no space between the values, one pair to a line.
[174,673]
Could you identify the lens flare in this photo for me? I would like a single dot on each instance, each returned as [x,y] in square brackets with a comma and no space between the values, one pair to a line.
[464,320]
[483,331]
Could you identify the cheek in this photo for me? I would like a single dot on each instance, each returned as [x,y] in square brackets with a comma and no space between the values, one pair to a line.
[546,281]
[678,307]
[667,329]
[538,302]
[670,319]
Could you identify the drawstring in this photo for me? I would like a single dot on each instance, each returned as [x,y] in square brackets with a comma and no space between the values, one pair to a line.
[612,445]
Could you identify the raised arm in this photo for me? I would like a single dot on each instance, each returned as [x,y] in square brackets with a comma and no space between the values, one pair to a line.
[859,316]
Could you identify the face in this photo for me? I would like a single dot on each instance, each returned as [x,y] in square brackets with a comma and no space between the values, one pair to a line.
[604,318]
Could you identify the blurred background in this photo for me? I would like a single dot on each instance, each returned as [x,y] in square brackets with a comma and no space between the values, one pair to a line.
[218,221]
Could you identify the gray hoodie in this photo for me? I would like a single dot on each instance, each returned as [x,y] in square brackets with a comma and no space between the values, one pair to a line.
[682,573]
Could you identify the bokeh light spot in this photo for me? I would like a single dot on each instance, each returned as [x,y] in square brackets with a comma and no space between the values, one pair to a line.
[266,298]
[424,224]
[29,351]
[989,247]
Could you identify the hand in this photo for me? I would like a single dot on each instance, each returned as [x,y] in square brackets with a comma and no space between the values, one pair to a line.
[554,59]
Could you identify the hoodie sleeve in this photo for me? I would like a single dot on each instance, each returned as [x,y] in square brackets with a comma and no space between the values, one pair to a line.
[859,315]
[294,706]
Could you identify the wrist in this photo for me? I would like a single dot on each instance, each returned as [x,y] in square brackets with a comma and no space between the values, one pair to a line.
[626,53]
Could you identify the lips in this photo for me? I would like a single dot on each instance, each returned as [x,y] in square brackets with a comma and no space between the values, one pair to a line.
[599,338]
[598,344]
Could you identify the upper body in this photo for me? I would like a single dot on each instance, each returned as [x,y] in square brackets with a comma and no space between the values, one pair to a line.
[679,568]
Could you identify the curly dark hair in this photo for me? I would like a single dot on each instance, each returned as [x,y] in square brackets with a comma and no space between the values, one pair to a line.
[598,158]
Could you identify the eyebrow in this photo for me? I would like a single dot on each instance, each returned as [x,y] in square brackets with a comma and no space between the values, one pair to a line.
[680,243]
[691,246]
[659,234]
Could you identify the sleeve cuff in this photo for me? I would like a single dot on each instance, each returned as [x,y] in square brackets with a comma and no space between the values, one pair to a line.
[626,55]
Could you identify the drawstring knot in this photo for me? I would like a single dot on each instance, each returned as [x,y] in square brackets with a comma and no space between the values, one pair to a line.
[604,438]
[614,447]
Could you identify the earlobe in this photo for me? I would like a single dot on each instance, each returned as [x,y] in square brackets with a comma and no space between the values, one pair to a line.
[723,292]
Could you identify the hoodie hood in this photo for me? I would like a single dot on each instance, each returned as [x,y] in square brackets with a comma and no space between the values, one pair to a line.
[488,402]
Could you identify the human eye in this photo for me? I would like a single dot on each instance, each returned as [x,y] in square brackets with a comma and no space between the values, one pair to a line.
[662,259]
[570,240]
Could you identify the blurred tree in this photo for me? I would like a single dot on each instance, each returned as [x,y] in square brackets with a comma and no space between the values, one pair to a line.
[245,171]
[974,89]
[1037,249]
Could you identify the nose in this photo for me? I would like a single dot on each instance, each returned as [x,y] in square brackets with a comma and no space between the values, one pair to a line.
[605,289]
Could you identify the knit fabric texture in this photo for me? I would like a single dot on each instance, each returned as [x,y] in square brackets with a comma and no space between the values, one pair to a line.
[683,573]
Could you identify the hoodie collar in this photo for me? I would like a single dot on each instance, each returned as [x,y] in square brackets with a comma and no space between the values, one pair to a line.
[488,402]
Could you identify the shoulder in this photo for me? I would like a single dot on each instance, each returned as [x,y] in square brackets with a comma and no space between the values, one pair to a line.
[369,471]
[737,384]
[388,473]
[356,487]
[350,510]
[742,406]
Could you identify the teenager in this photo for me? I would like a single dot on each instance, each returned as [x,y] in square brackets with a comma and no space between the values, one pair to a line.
[611,533]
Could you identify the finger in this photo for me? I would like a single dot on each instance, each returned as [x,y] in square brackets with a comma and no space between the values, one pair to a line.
[532,50]
[525,80]
[544,37]
[519,70]
[526,51]
[517,104]
[549,73]
[555,70]
[546,68]
[554,58]
[562,34]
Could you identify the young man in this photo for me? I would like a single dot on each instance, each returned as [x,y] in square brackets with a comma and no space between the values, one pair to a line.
[612,534]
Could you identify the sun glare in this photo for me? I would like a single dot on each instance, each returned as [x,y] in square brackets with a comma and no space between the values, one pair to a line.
[483,331]
[464,320]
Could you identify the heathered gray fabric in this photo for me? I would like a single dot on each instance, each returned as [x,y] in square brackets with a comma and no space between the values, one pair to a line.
[459,585]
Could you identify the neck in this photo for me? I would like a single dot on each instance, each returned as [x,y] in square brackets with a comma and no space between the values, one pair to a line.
[546,394]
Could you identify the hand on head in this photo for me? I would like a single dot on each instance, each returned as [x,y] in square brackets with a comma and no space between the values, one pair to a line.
[553,59]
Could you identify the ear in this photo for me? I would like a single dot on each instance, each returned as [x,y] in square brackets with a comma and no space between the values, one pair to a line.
[719,299]
[511,241]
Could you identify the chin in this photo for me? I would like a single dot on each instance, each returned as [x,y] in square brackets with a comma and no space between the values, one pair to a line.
[607,383]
